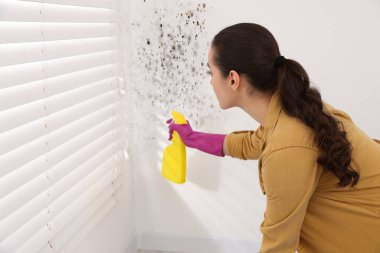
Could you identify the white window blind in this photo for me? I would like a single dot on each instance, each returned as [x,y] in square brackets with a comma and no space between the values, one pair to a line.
[62,130]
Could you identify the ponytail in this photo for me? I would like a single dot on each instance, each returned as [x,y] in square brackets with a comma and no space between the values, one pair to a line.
[300,100]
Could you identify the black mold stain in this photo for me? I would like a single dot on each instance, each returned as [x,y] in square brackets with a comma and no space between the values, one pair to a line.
[172,63]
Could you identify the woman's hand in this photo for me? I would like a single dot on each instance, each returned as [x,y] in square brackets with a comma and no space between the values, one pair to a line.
[209,143]
[184,130]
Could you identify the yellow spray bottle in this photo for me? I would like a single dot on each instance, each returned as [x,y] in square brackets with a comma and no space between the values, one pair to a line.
[174,158]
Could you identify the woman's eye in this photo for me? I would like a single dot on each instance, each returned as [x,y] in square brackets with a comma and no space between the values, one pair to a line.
[209,72]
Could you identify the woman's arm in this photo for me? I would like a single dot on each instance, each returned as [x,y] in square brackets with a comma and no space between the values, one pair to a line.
[244,144]
[290,177]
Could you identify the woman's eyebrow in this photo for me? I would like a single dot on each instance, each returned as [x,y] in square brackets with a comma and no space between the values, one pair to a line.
[208,65]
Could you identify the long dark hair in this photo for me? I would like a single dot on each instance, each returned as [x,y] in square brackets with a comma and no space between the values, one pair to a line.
[250,49]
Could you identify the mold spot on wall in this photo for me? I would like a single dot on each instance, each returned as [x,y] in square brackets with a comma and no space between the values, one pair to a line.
[169,66]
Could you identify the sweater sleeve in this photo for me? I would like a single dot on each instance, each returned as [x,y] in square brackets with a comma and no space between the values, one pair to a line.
[290,176]
[245,144]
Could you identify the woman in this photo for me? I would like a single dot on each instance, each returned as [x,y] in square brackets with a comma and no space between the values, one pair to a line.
[319,172]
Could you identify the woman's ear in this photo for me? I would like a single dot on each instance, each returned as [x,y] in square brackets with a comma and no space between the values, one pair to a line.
[234,80]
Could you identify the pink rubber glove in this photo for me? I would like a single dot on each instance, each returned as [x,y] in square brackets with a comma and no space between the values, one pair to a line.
[208,143]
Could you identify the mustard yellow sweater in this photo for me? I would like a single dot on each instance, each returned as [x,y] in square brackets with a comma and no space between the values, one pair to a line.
[305,210]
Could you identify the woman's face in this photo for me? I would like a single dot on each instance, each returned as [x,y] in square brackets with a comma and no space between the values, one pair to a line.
[222,86]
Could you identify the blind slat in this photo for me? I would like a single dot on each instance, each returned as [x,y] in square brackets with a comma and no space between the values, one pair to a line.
[19,95]
[28,152]
[38,147]
[77,79]
[19,53]
[57,121]
[35,111]
[37,128]
[88,3]
[10,76]
[18,32]
[30,114]
[35,234]
[21,176]
[13,242]
[15,199]
[37,219]
[14,137]
[114,136]
[25,212]
[30,12]
[77,96]
[69,188]
[32,244]
[65,216]
[88,202]
[33,212]
[33,91]
[103,116]
[74,159]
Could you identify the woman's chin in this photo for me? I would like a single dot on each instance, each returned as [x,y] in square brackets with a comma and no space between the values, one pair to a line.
[223,106]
